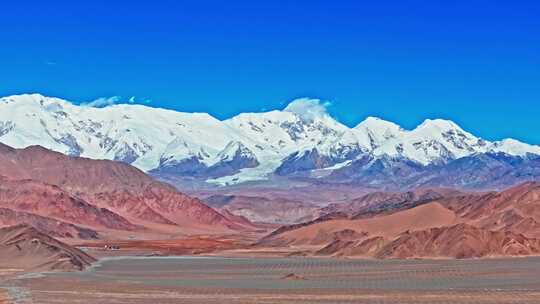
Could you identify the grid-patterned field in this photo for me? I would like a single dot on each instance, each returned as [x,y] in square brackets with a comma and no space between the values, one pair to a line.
[233,280]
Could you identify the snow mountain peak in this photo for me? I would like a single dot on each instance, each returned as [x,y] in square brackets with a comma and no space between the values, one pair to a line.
[300,139]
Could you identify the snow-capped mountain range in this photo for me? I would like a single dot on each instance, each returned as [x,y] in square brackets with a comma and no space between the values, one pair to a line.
[247,147]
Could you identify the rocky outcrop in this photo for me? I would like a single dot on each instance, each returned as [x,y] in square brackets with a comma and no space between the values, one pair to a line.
[304,161]
[234,157]
[477,171]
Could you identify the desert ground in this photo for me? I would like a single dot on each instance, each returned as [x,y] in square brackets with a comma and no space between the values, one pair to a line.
[199,279]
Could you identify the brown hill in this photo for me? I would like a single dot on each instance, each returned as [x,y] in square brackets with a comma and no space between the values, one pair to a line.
[52,227]
[456,226]
[516,209]
[24,247]
[387,226]
[386,202]
[367,247]
[238,219]
[275,210]
[459,241]
[111,187]
[374,204]
[54,203]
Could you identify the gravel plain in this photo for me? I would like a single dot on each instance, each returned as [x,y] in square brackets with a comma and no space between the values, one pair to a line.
[223,280]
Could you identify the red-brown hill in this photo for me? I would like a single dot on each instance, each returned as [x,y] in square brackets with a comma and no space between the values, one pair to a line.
[100,193]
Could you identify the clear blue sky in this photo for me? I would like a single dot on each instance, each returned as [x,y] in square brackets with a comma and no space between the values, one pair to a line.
[475,62]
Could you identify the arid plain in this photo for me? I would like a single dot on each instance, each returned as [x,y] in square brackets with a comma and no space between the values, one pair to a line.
[287,280]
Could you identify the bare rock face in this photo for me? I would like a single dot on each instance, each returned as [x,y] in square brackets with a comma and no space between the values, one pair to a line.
[234,157]
[26,248]
[477,171]
[305,161]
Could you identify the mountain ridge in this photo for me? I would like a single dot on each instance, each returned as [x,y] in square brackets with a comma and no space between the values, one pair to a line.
[247,147]
[100,194]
